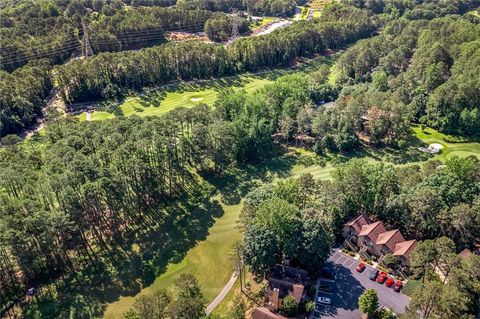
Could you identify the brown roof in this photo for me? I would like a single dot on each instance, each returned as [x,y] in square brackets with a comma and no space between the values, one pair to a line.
[465,253]
[264,313]
[358,222]
[367,229]
[385,237]
[404,248]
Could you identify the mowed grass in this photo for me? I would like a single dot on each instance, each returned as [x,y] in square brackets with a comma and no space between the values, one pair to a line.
[157,102]
[429,136]
[161,101]
[208,260]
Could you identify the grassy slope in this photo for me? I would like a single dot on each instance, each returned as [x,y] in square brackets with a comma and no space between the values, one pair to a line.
[157,102]
[430,136]
[208,261]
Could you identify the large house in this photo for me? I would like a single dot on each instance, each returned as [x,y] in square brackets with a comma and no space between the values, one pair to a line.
[285,281]
[376,240]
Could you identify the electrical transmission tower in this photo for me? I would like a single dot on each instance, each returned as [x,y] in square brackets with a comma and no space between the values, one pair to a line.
[86,47]
[235,31]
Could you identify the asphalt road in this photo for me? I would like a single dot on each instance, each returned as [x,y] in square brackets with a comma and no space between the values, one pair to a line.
[348,286]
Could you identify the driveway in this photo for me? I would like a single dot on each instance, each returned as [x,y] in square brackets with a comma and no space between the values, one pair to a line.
[349,285]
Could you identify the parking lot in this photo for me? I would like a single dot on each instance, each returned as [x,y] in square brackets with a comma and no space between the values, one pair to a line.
[348,285]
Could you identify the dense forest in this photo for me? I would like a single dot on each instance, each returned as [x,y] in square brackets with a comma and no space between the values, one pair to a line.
[102,77]
[75,200]
[428,68]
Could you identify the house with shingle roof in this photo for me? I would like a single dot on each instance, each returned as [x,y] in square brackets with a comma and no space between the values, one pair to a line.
[387,241]
[376,240]
[404,250]
[354,227]
[285,281]
[264,313]
[369,234]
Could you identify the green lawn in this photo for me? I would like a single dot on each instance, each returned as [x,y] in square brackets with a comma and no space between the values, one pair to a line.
[429,136]
[157,102]
[208,259]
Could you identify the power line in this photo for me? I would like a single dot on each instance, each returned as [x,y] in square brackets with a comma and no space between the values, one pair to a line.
[86,47]
[148,37]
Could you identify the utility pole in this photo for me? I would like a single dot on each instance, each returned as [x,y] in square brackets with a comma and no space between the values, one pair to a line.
[235,32]
[86,47]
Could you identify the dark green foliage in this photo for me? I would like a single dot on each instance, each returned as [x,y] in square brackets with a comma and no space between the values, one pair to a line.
[187,302]
[455,293]
[368,302]
[278,229]
[425,69]
[22,94]
[99,77]
[219,27]
[289,306]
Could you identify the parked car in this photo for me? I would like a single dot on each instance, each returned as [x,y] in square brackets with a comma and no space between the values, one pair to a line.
[398,286]
[389,282]
[360,267]
[381,278]
[373,274]
[324,300]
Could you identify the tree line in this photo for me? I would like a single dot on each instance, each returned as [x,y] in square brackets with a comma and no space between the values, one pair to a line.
[129,29]
[109,74]
[106,75]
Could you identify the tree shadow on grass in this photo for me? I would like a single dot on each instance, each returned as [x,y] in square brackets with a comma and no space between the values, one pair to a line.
[237,182]
[166,234]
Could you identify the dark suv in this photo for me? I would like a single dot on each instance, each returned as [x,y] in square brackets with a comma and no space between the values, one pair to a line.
[373,274]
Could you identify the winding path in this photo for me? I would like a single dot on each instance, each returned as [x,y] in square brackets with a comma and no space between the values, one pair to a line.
[218,299]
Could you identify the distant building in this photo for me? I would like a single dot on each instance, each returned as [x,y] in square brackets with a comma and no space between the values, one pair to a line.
[285,281]
[376,240]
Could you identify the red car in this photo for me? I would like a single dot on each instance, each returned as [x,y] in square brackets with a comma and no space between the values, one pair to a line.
[398,286]
[360,267]
[381,278]
[389,282]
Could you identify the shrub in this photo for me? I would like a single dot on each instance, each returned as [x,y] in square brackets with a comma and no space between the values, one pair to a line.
[289,306]
[385,313]
[310,306]
[390,261]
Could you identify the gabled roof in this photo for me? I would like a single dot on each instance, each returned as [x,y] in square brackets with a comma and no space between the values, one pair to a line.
[289,274]
[465,253]
[404,248]
[264,313]
[368,229]
[385,237]
[358,222]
